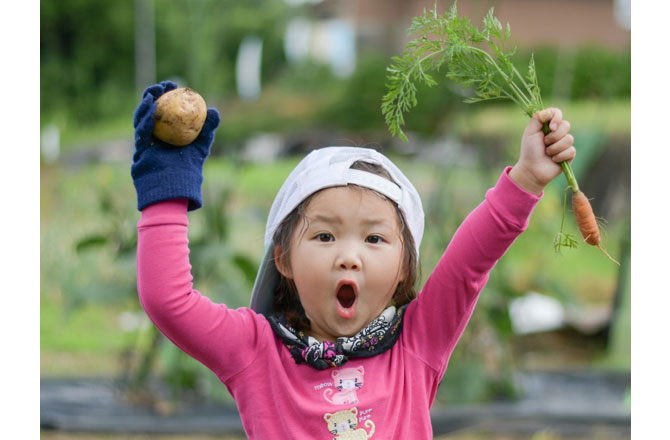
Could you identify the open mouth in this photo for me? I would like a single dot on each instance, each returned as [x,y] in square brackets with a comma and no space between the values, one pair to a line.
[346,296]
[346,299]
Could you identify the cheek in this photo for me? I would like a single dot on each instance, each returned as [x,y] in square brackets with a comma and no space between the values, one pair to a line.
[399,266]
[304,262]
[386,278]
[308,273]
[399,275]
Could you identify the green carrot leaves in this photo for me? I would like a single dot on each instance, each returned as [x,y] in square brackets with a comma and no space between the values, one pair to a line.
[474,57]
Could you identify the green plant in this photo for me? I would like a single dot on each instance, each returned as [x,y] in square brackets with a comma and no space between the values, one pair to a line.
[117,236]
[196,42]
[453,41]
[481,367]
[223,272]
[600,73]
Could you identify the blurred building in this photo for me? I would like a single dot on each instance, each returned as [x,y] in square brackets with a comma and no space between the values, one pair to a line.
[568,23]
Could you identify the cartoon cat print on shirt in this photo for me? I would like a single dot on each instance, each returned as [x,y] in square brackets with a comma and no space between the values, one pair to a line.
[344,425]
[346,381]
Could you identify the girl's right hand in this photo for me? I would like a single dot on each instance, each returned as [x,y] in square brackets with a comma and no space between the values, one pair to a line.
[540,155]
[161,171]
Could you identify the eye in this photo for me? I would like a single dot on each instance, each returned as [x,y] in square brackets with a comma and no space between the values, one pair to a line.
[324,237]
[374,239]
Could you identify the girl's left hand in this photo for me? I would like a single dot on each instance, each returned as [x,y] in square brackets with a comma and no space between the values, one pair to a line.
[161,171]
[540,155]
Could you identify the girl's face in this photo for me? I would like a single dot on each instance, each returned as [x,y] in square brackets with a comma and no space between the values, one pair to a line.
[345,260]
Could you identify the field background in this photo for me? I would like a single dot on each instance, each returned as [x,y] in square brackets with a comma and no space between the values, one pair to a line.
[91,324]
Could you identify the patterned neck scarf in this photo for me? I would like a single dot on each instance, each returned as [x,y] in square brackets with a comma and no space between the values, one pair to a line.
[374,339]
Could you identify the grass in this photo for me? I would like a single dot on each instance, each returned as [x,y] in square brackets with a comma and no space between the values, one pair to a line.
[613,118]
[280,109]
[75,136]
[84,329]
[289,111]
[85,341]
[79,331]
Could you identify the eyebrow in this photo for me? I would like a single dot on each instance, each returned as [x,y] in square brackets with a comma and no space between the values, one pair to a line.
[337,220]
[326,219]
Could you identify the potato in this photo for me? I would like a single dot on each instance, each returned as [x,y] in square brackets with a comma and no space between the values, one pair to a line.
[180,115]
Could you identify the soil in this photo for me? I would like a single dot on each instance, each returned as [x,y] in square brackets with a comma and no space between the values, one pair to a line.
[554,406]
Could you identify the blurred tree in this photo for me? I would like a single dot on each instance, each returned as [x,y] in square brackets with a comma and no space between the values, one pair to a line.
[145,44]
[86,57]
[87,50]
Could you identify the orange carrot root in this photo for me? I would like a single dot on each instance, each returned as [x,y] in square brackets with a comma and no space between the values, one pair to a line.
[586,220]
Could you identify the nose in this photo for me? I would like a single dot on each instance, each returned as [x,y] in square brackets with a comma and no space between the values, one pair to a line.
[348,258]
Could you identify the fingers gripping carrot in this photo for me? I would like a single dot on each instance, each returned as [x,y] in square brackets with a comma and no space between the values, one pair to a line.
[551,116]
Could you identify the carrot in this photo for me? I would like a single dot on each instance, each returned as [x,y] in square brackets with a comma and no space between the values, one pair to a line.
[586,220]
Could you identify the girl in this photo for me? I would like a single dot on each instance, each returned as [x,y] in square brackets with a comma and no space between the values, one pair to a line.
[336,343]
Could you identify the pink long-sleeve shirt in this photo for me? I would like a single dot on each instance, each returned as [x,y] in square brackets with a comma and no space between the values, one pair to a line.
[387,396]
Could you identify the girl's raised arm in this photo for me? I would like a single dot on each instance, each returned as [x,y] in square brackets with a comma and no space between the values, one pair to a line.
[168,182]
[445,304]
[211,333]
[451,292]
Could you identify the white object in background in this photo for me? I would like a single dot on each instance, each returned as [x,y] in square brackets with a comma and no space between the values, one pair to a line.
[50,143]
[248,68]
[334,43]
[130,321]
[296,40]
[263,147]
[329,42]
[622,13]
[588,320]
[536,313]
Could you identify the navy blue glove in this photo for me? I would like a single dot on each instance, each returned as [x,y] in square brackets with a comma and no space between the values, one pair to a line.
[161,171]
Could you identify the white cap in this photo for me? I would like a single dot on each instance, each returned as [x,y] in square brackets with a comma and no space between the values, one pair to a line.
[325,168]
